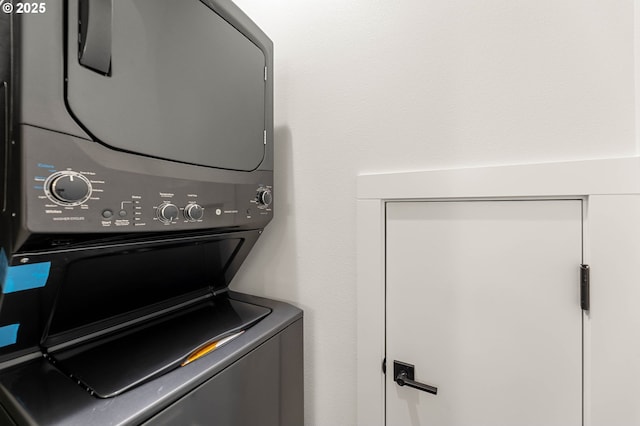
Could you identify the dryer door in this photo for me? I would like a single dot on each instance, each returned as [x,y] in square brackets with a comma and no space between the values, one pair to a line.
[166,79]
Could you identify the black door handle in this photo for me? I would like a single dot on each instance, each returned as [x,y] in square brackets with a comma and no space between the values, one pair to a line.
[94,34]
[403,374]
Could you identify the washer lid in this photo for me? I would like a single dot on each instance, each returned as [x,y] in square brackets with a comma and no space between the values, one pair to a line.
[119,362]
[168,79]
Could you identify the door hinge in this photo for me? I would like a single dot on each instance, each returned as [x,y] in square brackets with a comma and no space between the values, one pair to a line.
[264,137]
[384,366]
[265,73]
[584,287]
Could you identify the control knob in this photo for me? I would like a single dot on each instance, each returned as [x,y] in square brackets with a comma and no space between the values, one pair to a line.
[264,197]
[193,212]
[167,212]
[68,188]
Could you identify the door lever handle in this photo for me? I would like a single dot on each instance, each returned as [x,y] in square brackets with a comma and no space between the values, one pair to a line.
[403,374]
[403,380]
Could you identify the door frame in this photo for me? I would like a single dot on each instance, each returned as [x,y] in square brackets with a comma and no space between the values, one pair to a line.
[588,180]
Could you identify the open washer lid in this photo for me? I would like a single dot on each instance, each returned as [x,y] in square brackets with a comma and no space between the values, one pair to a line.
[167,79]
[116,363]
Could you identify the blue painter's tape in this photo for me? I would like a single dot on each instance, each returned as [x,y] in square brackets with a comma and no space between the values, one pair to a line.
[9,334]
[26,277]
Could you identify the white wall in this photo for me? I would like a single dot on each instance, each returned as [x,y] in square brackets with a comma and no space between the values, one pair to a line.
[378,85]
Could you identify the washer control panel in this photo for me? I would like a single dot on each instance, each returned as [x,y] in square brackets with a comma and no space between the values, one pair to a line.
[72,193]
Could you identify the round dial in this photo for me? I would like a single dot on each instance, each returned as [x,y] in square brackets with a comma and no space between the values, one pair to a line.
[193,212]
[265,198]
[167,212]
[68,188]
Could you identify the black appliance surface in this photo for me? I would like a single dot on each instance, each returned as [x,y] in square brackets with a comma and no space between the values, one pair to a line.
[92,290]
[131,357]
[136,175]
[162,56]
[125,117]
[117,192]
[254,379]
[103,221]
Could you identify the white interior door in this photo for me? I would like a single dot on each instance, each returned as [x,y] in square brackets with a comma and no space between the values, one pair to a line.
[483,298]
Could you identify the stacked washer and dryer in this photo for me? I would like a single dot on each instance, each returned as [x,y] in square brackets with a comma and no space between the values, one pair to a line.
[137,174]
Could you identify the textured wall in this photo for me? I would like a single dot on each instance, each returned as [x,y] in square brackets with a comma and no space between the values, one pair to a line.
[378,85]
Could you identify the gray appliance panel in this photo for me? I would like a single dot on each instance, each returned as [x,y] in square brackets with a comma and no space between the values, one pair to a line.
[184,85]
[264,388]
[81,293]
[37,83]
[127,190]
[36,393]
[150,350]
[5,419]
